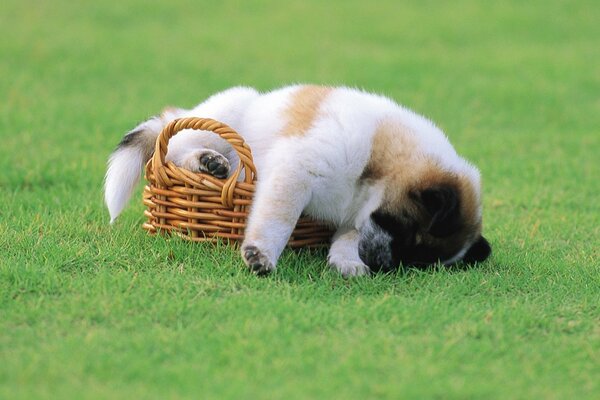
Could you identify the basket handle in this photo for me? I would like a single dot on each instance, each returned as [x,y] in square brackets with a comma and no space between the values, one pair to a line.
[205,124]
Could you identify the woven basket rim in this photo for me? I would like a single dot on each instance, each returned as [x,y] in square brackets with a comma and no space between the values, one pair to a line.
[246,164]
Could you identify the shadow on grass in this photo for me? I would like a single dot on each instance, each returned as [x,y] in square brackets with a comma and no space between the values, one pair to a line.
[309,266]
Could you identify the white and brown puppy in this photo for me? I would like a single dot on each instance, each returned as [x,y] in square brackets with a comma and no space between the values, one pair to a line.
[386,178]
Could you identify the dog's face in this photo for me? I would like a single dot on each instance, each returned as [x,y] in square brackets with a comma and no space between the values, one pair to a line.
[425,226]
[428,209]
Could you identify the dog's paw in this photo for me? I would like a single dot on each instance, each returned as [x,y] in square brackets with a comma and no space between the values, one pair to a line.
[350,268]
[256,261]
[214,163]
[208,161]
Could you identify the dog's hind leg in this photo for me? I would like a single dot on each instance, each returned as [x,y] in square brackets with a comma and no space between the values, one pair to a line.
[204,160]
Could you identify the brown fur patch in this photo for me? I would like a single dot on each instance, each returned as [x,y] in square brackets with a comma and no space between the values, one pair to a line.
[470,203]
[303,109]
[393,153]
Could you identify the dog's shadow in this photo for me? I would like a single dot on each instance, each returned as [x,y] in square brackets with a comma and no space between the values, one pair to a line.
[299,266]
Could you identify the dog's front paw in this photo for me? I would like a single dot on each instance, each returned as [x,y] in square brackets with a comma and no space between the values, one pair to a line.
[349,268]
[257,261]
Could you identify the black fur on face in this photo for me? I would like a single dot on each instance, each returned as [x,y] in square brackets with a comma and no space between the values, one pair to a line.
[435,231]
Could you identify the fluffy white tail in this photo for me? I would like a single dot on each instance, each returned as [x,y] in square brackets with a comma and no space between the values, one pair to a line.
[126,163]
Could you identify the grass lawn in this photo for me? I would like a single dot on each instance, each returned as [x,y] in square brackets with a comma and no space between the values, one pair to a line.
[93,311]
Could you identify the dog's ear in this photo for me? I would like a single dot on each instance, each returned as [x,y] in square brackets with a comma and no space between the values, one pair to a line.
[478,252]
[441,204]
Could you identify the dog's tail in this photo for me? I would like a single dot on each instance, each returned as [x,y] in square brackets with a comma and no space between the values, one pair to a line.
[126,163]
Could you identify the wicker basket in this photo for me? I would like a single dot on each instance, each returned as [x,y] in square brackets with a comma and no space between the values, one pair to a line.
[202,208]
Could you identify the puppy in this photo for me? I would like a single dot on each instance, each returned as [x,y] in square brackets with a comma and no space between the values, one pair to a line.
[387,179]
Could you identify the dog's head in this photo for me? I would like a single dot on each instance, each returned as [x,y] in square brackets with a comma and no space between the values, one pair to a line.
[433,225]
[428,211]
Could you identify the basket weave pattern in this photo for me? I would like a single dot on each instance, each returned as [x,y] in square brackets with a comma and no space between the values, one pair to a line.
[202,208]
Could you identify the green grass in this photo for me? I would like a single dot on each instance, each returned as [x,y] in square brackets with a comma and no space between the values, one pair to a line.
[93,311]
